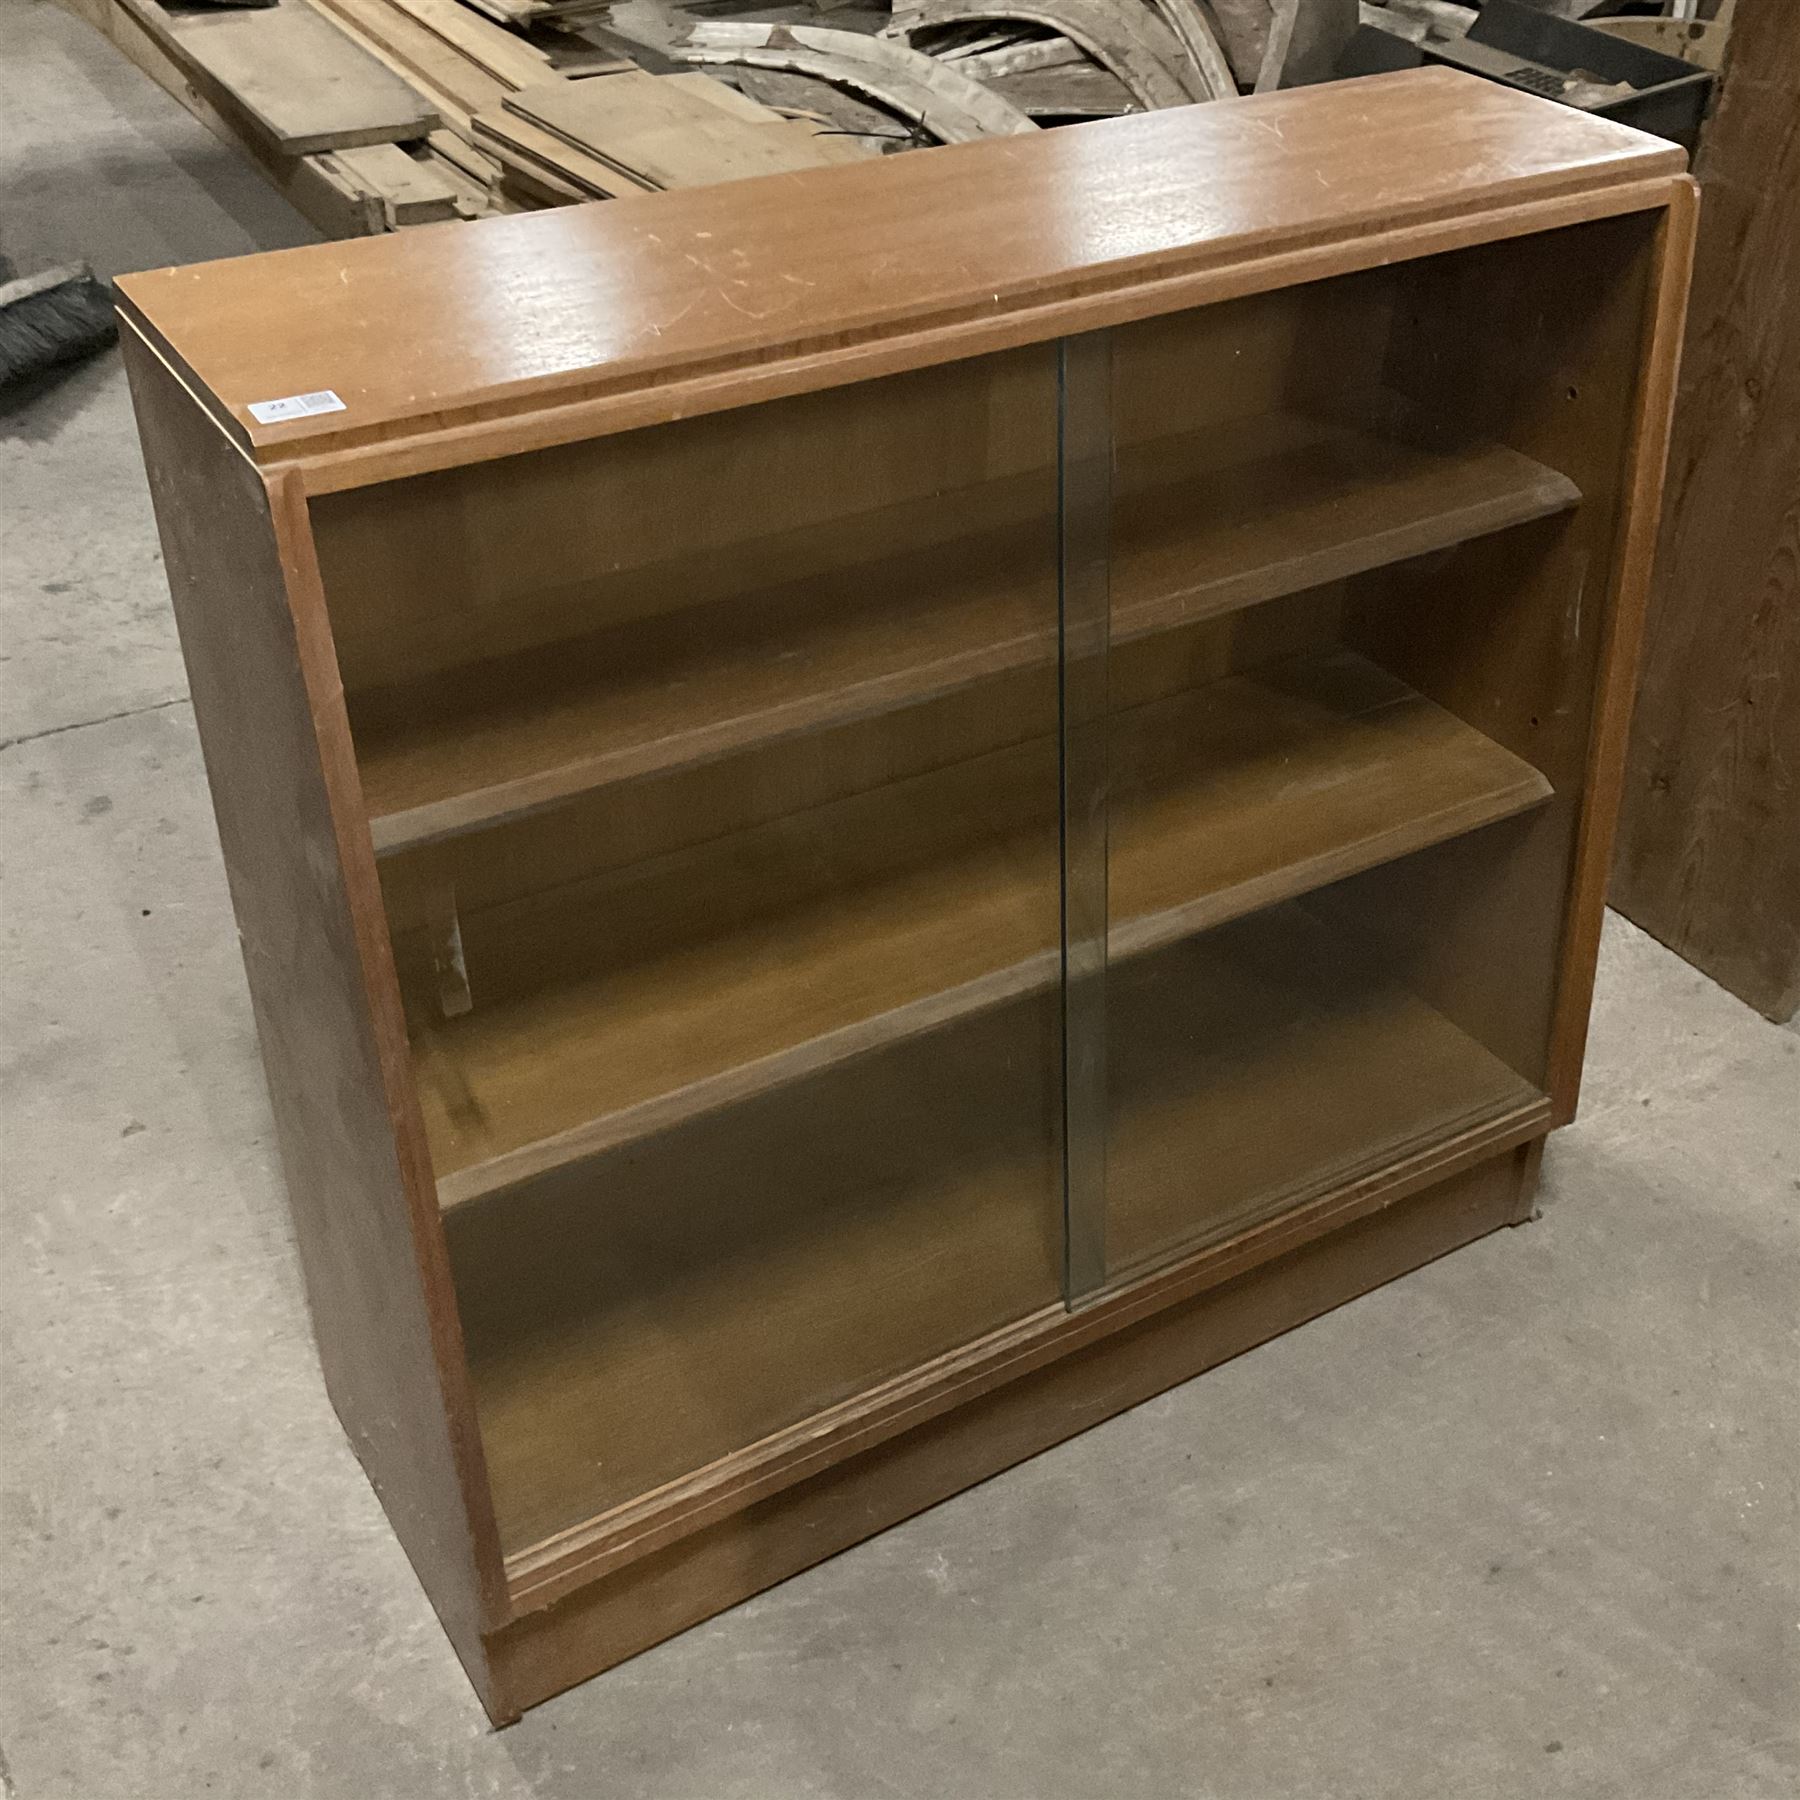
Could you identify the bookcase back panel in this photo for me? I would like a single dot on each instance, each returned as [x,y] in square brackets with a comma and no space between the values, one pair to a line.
[442,571]
[625,824]
[428,575]
[1306,348]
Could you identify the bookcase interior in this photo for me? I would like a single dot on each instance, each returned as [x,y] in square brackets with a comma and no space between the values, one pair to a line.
[716,773]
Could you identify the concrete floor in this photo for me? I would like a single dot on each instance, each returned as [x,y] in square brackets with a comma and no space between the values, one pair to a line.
[1524,1524]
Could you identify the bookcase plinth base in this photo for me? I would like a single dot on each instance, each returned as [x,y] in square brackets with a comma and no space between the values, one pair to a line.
[646,1602]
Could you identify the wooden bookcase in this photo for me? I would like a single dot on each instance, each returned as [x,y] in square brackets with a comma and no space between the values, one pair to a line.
[875,813]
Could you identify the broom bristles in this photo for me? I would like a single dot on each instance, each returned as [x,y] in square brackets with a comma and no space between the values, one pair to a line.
[52,318]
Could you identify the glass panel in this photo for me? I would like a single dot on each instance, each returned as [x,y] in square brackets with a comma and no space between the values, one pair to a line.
[715,773]
[1316,840]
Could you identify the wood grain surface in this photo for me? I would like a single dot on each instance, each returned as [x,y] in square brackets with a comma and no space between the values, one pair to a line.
[637,1318]
[1203,526]
[727,995]
[753,1520]
[1709,847]
[609,1010]
[610,301]
[277,750]
[300,80]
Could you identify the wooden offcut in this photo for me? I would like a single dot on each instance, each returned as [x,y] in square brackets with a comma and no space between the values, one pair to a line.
[410,191]
[935,97]
[1130,40]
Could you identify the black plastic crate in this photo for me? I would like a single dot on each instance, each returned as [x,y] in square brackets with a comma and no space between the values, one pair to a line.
[1540,53]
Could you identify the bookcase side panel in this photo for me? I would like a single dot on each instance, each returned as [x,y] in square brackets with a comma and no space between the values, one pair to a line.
[276,749]
[1621,652]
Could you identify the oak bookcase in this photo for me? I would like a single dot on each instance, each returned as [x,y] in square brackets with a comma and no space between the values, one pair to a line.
[875,813]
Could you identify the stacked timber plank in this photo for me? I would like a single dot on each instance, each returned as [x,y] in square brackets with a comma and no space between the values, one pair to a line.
[344,136]
[450,53]
[302,83]
[376,114]
[628,132]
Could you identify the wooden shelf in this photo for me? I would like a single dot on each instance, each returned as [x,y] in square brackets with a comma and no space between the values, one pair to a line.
[698,1291]
[1204,524]
[617,1008]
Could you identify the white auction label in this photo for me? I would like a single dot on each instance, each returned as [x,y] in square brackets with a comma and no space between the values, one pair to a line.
[295,406]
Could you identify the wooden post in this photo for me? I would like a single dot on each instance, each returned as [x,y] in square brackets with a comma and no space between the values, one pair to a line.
[1709,844]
